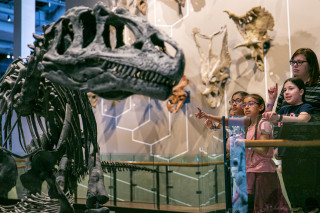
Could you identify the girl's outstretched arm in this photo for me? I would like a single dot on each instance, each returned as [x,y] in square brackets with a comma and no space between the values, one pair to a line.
[201,114]
[237,121]
[273,117]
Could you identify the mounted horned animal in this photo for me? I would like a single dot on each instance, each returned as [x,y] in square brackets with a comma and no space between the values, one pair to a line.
[215,70]
[254,26]
[75,56]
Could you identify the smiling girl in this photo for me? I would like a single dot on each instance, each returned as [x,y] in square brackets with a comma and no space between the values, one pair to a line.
[300,167]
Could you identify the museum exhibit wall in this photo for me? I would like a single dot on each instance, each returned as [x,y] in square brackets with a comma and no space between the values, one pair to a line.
[140,125]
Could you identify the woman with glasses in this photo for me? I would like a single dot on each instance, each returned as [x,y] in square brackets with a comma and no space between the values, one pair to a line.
[263,185]
[300,165]
[305,66]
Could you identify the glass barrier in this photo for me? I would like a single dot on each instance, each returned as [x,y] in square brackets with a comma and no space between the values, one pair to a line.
[275,174]
[194,182]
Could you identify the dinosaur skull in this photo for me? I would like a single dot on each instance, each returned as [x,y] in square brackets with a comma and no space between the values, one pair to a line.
[142,6]
[214,69]
[81,55]
[181,2]
[178,96]
[93,98]
[253,27]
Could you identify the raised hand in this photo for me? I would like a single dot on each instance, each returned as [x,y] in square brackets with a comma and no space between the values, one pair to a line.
[273,93]
[200,114]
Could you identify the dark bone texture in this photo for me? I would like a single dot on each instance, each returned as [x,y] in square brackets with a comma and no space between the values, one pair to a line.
[80,55]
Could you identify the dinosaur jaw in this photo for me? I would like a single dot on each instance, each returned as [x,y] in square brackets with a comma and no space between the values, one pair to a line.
[111,80]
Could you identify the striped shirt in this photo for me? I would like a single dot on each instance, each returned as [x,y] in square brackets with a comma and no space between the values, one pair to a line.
[312,97]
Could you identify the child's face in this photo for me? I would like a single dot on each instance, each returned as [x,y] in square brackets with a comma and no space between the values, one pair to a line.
[292,94]
[236,102]
[251,107]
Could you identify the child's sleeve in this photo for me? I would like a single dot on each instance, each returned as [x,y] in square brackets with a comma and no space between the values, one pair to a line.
[307,108]
[266,127]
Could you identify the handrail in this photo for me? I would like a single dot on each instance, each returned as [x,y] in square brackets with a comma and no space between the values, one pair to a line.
[154,163]
[160,163]
[172,164]
[279,142]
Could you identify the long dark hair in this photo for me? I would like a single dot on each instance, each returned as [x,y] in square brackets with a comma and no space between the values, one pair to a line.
[260,101]
[299,83]
[312,59]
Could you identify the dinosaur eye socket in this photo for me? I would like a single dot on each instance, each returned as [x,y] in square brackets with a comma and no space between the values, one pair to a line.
[117,34]
[163,46]
[89,31]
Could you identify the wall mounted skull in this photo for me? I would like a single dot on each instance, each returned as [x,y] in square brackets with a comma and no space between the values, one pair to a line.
[81,56]
[135,7]
[178,97]
[93,98]
[253,27]
[214,69]
[181,4]
[142,6]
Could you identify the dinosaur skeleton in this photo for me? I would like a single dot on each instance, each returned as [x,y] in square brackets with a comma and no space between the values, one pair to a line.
[253,26]
[8,174]
[214,70]
[109,166]
[75,56]
[35,203]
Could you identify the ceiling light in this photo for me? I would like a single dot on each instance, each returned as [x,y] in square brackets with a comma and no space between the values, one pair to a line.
[9,18]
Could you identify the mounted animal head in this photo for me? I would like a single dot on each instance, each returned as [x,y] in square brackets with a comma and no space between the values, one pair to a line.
[81,54]
[215,70]
[253,26]
[93,98]
[178,97]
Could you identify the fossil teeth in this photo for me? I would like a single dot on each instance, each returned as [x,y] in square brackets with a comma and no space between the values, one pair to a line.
[163,80]
[133,72]
[119,68]
[146,76]
[159,78]
[127,71]
[151,75]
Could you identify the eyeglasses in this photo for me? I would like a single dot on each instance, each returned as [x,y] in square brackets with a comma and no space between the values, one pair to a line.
[298,63]
[238,100]
[249,104]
